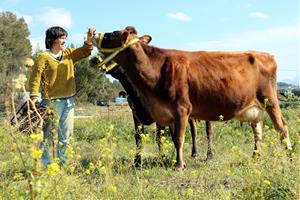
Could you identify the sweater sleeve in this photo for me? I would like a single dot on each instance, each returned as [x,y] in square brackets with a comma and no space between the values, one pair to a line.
[81,52]
[35,77]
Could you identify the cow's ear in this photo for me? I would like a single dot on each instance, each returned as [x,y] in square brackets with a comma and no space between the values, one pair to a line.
[146,39]
[131,29]
[124,37]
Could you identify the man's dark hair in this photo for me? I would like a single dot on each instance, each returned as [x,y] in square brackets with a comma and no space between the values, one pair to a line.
[52,34]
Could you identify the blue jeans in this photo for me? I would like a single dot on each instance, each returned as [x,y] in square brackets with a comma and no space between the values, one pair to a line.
[62,124]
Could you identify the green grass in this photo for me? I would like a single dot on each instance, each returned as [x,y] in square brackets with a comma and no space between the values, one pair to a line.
[103,149]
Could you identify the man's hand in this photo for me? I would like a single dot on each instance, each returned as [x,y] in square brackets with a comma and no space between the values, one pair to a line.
[90,35]
[33,101]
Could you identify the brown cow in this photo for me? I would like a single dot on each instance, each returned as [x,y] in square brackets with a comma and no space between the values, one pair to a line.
[141,117]
[176,85]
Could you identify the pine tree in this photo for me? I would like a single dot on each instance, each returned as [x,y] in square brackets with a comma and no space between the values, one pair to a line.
[15,47]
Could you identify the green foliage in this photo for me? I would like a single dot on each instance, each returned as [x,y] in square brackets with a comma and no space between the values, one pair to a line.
[15,47]
[91,84]
[100,164]
[296,92]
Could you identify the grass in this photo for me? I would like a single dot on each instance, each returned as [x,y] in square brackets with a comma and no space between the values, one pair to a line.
[100,164]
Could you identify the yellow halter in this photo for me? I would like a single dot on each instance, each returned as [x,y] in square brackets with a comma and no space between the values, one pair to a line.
[113,51]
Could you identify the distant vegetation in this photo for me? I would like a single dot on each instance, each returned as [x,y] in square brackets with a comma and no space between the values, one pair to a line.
[283,85]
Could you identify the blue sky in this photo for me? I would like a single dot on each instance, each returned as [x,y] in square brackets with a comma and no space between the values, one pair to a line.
[230,25]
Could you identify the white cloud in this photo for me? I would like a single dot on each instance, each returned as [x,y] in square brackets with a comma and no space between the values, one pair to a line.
[259,15]
[37,43]
[180,16]
[28,19]
[56,17]
[251,39]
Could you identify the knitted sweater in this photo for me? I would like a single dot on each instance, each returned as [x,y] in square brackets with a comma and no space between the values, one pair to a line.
[56,78]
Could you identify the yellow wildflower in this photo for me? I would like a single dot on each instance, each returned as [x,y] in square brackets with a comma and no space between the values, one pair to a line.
[91,166]
[266,101]
[229,172]
[36,138]
[221,117]
[72,169]
[113,189]
[258,172]
[17,176]
[267,182]
[87,171]
[49,112]
[194,173]
[102,170]
[53,169]
[35,153]
[266,127]
[140,127]
[70,152]
[189,192]
[14,145]
[111,127]
[16,158]
[174,162]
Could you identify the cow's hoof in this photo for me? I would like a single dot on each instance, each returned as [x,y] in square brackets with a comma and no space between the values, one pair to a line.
[209,155]
[194,154]
[287,143]
[256,154]
[138,161]
[181,167]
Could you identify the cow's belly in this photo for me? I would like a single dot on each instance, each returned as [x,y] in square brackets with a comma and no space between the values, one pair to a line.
[251,113]
[160,113]
[247,113]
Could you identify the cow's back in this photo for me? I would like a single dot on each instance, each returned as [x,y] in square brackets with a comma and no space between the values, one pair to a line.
[223,83]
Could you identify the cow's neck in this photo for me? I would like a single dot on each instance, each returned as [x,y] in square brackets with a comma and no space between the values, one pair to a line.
[142,68]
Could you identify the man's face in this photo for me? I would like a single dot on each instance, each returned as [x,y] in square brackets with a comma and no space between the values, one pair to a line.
[60,42]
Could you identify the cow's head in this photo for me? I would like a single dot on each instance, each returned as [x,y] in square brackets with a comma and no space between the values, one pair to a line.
[110,44]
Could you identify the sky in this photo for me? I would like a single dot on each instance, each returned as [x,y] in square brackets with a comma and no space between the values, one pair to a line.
[263,25]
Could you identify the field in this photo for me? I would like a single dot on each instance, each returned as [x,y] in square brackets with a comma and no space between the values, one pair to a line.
[100,164]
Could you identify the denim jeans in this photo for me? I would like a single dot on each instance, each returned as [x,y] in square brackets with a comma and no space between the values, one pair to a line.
[62,124]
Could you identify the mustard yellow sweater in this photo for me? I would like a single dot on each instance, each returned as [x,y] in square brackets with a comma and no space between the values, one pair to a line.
[56,78]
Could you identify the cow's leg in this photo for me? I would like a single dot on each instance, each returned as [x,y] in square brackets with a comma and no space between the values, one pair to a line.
[257,128]
[274,112]
[159,130]
[269,98]
[194,137]
[179,133]
[208,129]
[139,129]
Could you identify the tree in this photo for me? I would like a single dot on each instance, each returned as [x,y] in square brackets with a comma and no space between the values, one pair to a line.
[91,84]
[296,91]
[118,85]
[15,47]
